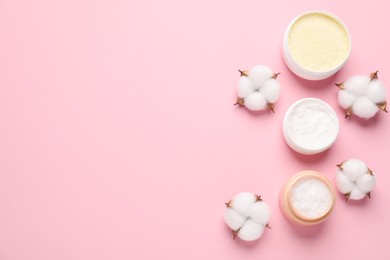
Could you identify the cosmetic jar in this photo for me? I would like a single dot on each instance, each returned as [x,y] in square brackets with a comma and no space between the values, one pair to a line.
[310,126]
[307,198]
[316,45]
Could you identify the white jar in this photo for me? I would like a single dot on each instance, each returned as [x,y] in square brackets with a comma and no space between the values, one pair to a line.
[310,126]
[316,45]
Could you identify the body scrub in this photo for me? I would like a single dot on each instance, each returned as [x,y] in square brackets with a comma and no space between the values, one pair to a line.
[310,126]
[316,45]
[307,198]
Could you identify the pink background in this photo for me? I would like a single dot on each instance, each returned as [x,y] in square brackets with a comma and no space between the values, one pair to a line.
[119,138]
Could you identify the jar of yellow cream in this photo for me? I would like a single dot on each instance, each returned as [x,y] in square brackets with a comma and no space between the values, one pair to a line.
[307,198]
[316,44]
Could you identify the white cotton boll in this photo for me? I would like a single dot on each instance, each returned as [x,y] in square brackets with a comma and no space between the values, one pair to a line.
[354,169]
[258,89]
[376,92]
[250,231]
[247,215]
[346,99]
[255,101]
[364,107]
[243,203]
[343,184]
[245,87]
[357,85]
[260,213]
[366,183]
[354,179]
[356,194]
[259,75]
[271,90]
[362,96]
[233,219]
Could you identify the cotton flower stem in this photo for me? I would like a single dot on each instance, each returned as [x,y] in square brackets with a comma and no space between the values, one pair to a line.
[369,195]
[340,166]
[258,198]
[347,195]
[383,106]
[268,226]
[340,85]
[348,113]
[374,75]
[235,233]
[271,107]
[240,102]
[275,75]
[243,73]
[228,204]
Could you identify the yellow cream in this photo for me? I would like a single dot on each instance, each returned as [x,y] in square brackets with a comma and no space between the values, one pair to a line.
[318,42]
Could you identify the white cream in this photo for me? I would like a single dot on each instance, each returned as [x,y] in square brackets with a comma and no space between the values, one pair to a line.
[311,198]
[307,198]
[316,45]
[310,126]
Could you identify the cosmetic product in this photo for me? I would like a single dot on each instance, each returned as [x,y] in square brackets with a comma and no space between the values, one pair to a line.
[307,198]
[310,126]
[316,45]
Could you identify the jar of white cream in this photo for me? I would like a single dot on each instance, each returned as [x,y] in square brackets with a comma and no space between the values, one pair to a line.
[316,45]
[307,198]
[310,126]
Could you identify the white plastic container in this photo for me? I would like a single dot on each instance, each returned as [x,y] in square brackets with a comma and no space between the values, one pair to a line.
[310,126]
[307,198]
[316,45]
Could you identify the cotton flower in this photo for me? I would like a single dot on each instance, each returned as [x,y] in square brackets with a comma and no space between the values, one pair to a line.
[247,215]
[362,96]
[258,88]
[354,179]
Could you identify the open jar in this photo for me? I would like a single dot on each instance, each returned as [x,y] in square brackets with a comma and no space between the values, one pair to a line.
[310,126]
[316,45]
[307,198]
